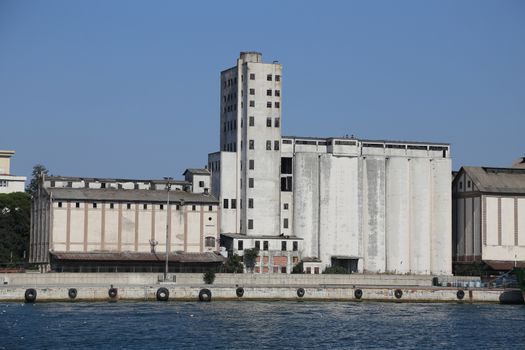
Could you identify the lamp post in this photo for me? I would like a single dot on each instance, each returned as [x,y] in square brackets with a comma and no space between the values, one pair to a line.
[168,187]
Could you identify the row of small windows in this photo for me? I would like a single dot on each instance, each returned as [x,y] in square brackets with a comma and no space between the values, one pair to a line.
[268,104]
[269,77]
[128,206]
[230,108]
[230,125]
[269,92]
[3,183]
[265,245]
[230,82]
[230,97]
[276,143]
[215,166]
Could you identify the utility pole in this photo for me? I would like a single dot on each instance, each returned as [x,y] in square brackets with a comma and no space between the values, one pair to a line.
[168,187]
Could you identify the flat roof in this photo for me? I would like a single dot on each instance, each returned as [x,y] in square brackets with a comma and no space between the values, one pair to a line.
[364,140]
[111,180]
[113,194]
[138,256]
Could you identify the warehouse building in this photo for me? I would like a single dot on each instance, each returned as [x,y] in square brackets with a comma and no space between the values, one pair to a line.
[489,218]
[110,225]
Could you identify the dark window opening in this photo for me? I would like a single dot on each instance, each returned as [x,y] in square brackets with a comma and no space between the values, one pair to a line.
[286,184]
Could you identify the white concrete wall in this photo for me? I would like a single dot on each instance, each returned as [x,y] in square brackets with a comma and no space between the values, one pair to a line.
[10,184]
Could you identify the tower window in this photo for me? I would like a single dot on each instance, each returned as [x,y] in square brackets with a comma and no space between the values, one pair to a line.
[234,203]
[252,103]
[251,164]
[250,224]
[269,77]
[252,76]
[269,92]
[277,122]
[276,145]
[250,203]
[252,144]
[285,223]
[269,122]
[268,145]
[269,104]
[225,204]
[277,105]
[252,91]
[278,93]
[277,78]
[250,182]
[252,121]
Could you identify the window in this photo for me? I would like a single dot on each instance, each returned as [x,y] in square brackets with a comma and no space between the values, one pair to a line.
[285,206]
[250,182]
[277,78]
[252,91]
[94,205]
[60,204]
[286,184]
[3,183]
[111,206]
[250,203]
[145,206]
[251,164]
[285,223]
[201,183]
[77,205]
[295,246]
[269,77]
[265,245]
[234,203]
[252,76]
[193,207]
[286,165]
[252,121]
[468,184]
[316,270]
[103,185]
[283,246]
[277,105]
[210,208]
[268,145]
[460,185]
[128,206]
[209,242]
[308,270]
[269,104]
[252,103]
[250,224]
[258,245]
[276,145]
[177,207]
[225,204]
[269,92]
[277,122]
[283,269]
[251,144]
[161,207]
[269,122]
[278,93]
[240,245]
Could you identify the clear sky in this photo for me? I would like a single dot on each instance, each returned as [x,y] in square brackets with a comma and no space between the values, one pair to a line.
[131,88]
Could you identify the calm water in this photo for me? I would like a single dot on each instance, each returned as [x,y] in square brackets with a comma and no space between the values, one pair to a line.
[260,325]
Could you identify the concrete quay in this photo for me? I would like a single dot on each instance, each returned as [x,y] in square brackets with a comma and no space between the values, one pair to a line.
[55,287]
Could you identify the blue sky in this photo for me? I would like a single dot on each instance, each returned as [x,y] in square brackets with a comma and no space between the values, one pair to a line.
[131,88]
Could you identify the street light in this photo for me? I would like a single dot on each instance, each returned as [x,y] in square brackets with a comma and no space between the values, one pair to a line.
[168,187]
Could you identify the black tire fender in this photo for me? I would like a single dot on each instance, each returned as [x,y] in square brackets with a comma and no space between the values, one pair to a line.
[205,295]
[300,292]
[460,294]
[163,294]
[398,293]
[113,292]
[239,292]
[358,293]
[30,295]
[72,293]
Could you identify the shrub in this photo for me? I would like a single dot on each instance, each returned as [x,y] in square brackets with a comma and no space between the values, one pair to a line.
[209,277]
[298,268]
[335,270]
[250,257]
[233,264]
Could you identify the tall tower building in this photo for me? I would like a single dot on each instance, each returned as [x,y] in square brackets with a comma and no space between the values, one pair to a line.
[246,170]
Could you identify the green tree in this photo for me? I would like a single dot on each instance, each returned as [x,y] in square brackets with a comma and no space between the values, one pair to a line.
[33,184]
[209,277]
[233,264]
[335,270]
[15,209]
[250,257]
[298,268]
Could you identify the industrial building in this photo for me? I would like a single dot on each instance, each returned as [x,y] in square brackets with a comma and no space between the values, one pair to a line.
[489,218]
[9,183]
[366,205]
[120,225]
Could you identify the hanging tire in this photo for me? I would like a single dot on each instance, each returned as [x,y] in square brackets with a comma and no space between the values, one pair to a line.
[163,294]
[460,294]
[300,292]
[72,293]
[398,293]
[205,295]
[113,292]
[240,292]
[358,293]
[30,295]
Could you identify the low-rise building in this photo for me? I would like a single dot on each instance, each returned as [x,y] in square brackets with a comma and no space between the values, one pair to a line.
[90,224]
[489,218]
[9,183]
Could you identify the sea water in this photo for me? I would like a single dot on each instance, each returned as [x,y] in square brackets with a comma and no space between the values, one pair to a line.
[260,325]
